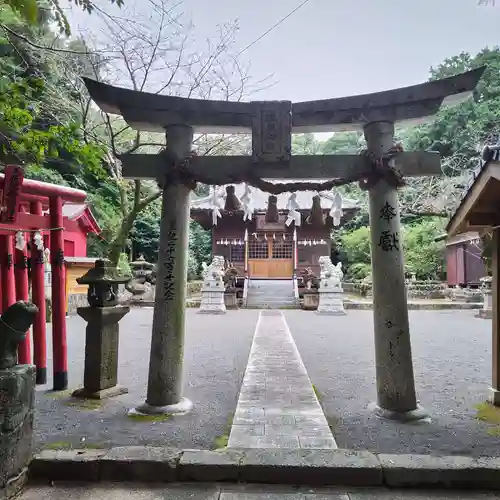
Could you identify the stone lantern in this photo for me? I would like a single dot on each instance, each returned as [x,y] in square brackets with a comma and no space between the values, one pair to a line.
[142,284]
[101,340]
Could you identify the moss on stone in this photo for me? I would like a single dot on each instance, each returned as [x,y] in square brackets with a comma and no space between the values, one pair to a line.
[149,418]
[220,442]
[490,414]
[316,391]
[91,446]
[486,412]
[66,445]
[58,394]
[59,445]
[85,404]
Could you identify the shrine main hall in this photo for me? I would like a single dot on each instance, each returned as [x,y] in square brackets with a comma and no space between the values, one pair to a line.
[285,235]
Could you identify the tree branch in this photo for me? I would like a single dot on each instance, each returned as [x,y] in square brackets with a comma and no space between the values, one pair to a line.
[38,46]
[149,199]
[427,213]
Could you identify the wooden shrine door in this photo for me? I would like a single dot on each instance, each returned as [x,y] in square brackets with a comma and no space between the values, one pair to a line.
[270,258]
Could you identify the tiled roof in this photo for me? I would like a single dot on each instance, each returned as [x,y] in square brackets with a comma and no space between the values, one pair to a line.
[304,199]
[73,210]
[489,154]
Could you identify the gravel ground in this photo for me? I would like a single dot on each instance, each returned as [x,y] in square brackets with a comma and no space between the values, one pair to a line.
[216,354]
[452,360]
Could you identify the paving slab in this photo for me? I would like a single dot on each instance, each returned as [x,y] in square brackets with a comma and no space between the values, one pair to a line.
[277,406]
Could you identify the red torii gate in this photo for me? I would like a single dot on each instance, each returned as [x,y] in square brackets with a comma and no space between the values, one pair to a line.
[23,204]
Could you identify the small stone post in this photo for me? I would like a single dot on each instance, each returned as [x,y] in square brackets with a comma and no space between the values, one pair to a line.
[394,367]
[101,335]
[487,311]
[17,401]
[167,343]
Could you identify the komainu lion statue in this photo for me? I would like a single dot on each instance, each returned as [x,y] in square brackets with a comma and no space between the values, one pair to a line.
[330,275]
[213,274]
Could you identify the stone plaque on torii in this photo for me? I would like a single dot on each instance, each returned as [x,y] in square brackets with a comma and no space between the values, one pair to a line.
[271,124]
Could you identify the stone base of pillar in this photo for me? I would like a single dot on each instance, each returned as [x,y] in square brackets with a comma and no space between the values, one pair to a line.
[231,300]
[494,398]
[212,302]
[109,392]
[487,311]
[401,416]
[331,303]
[484,313]
[181,408]
[311,300]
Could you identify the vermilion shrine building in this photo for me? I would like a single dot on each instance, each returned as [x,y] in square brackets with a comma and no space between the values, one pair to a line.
[464,263]
[264,249]
[36,216]
[479,211]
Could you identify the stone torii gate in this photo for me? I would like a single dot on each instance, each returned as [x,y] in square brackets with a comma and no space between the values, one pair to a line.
[271,124]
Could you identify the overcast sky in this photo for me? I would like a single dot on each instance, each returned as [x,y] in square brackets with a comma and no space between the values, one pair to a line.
[332,48]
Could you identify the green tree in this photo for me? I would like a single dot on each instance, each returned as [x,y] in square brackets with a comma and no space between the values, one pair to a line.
[30,10]
[31,133]
[305,144]
[355,246]
[423,255]
[200,244]
[145,236]
[343,143]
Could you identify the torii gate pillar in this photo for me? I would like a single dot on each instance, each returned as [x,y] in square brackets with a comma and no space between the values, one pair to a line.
[396,397]
[167,341]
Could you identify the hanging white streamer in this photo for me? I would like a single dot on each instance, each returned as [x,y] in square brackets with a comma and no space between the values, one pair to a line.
[217,205]
[248,203]
[46,258]
[20,241]
[293,210]
[38,241]
[336,209]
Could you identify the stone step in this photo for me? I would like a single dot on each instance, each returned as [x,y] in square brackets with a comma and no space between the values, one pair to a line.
[271,294]
[271,299]
[271,306]
[196,468]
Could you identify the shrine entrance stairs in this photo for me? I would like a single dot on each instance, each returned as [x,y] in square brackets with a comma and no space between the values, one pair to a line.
[271,294]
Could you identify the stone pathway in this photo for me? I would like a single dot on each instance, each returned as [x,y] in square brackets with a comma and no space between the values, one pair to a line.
[277,406]
[234,492]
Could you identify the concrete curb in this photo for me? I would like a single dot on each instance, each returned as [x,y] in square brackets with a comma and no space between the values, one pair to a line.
[421,306]
[311,467]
